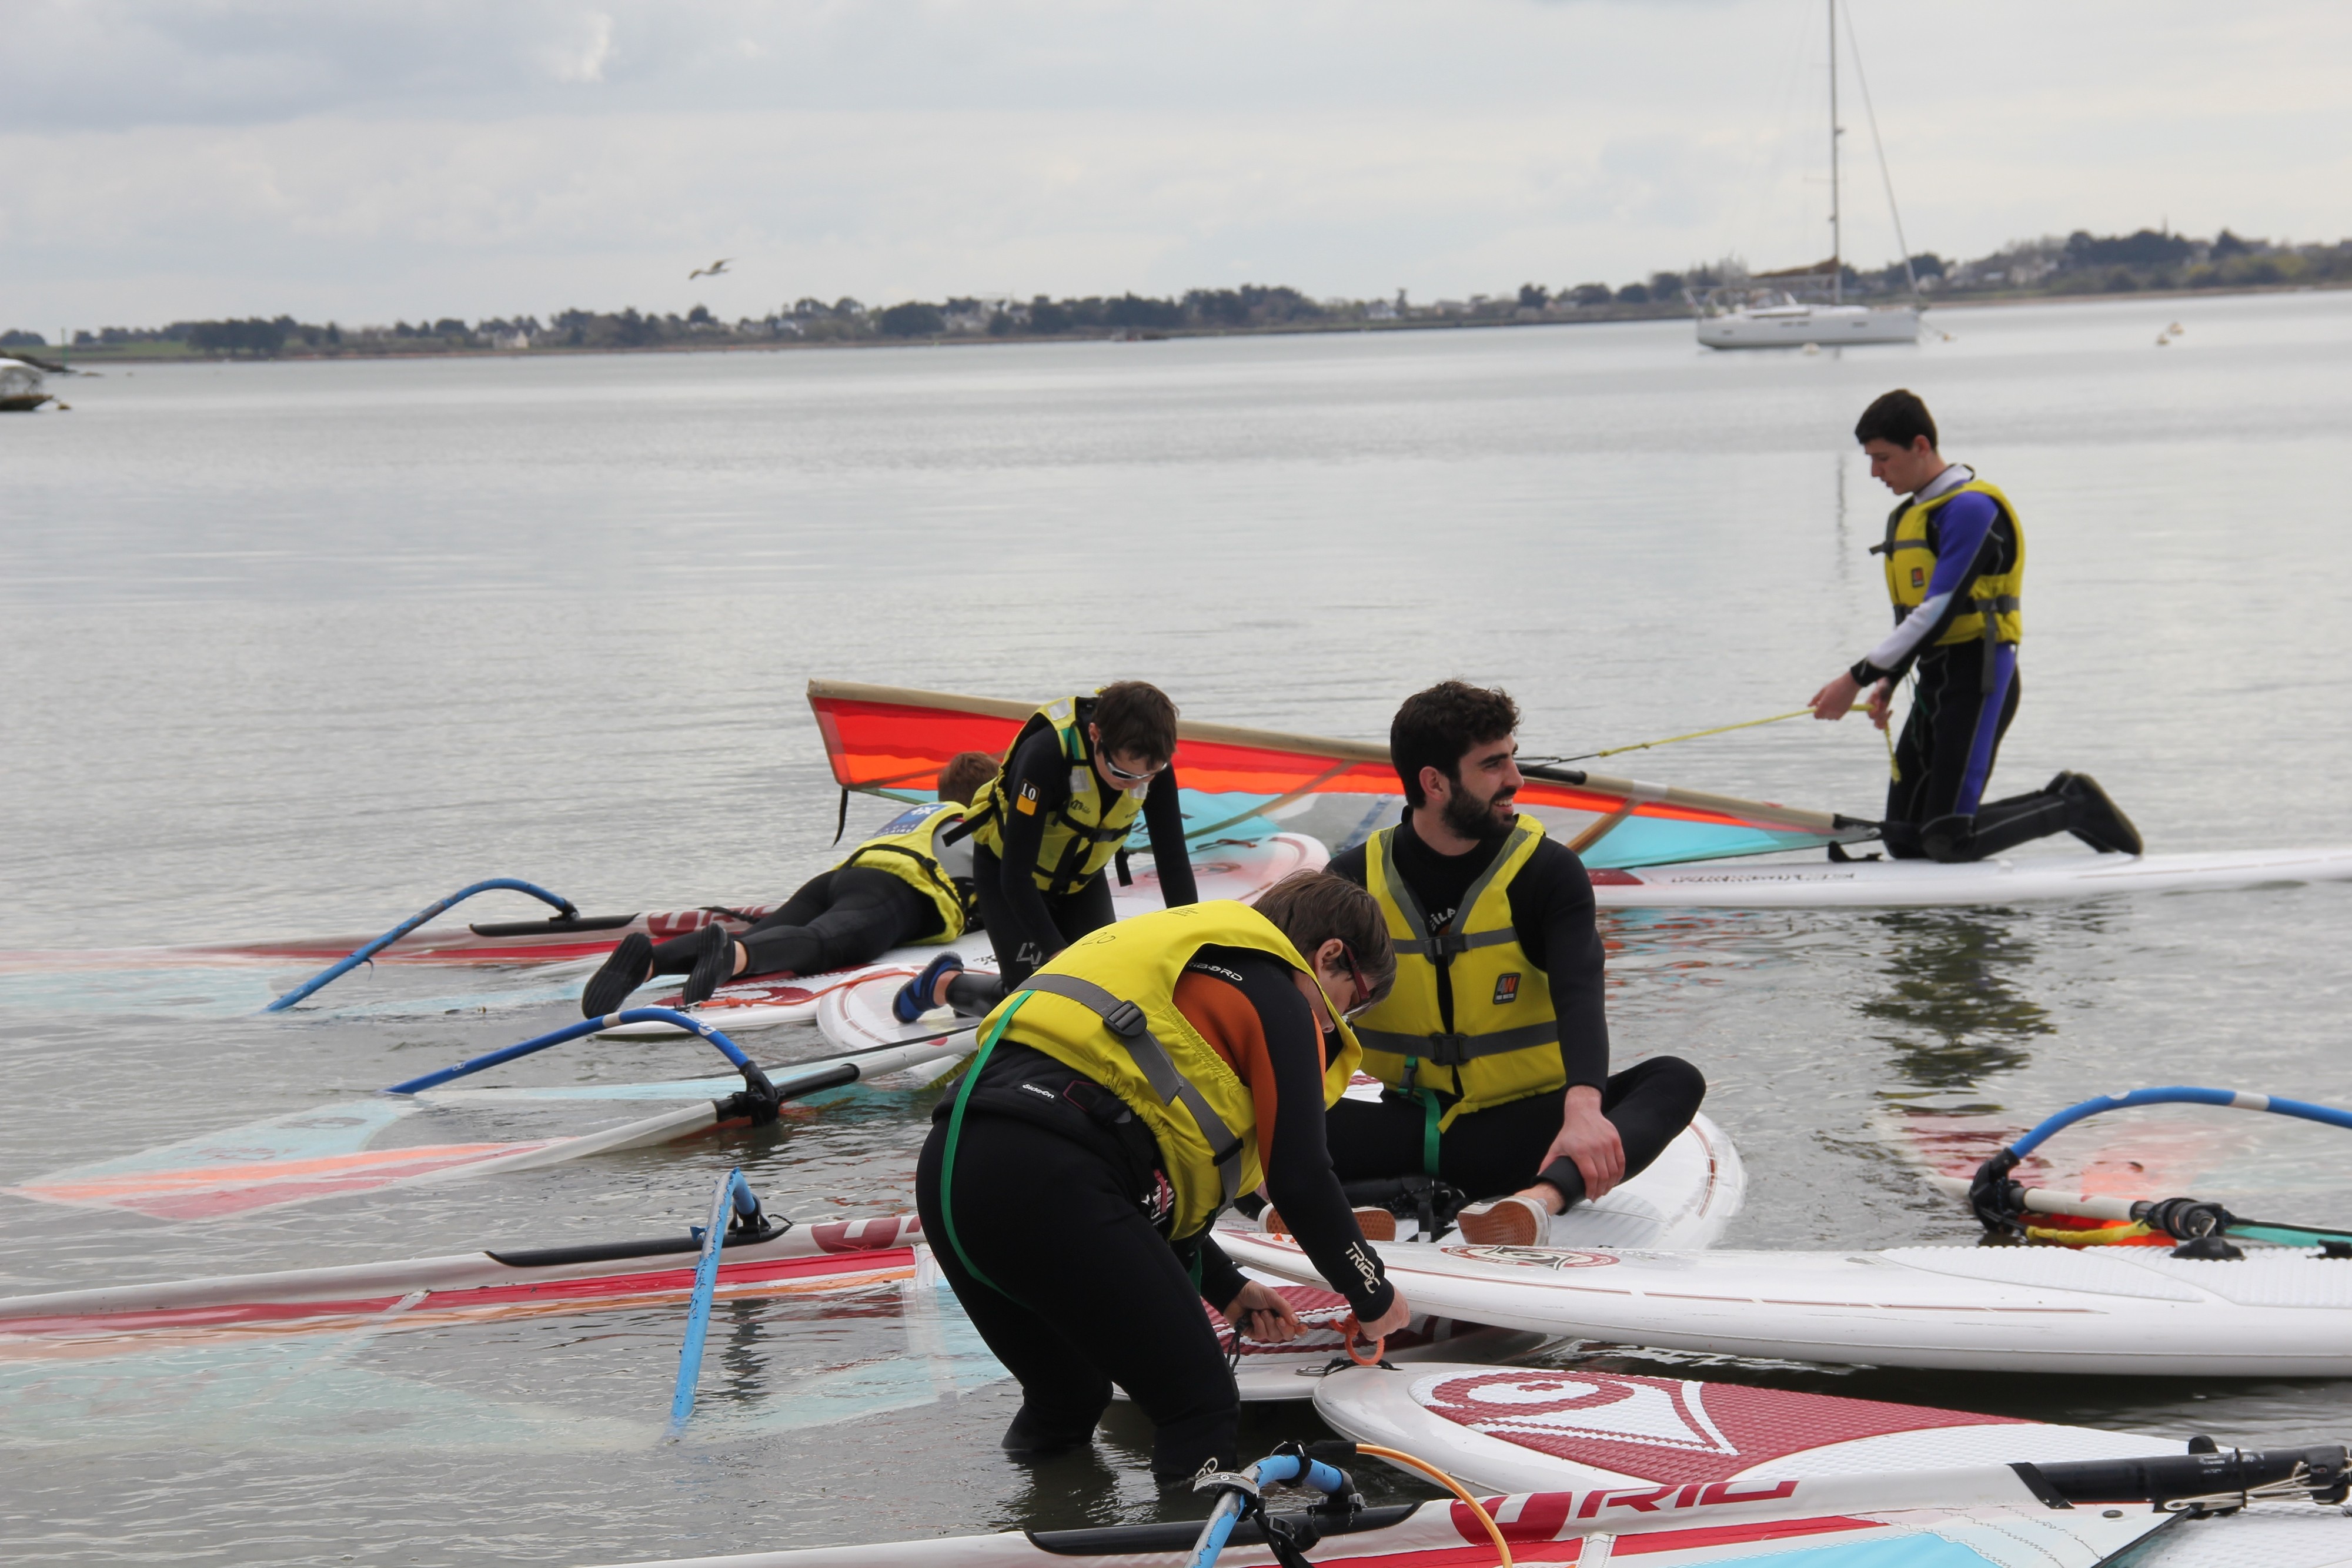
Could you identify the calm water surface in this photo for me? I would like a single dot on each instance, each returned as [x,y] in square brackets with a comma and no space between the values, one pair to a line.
[298,648]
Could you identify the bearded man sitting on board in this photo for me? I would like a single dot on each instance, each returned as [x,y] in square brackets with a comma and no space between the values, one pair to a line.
[1493,1047]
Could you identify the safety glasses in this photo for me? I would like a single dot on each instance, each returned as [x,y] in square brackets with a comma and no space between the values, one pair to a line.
[1363,987]
[1122,776]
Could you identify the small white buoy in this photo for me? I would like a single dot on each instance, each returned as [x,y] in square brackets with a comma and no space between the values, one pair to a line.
[2161,339]
[2175,328]
[1812,348]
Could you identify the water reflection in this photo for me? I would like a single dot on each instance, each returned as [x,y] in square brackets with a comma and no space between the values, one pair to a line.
[1953,991]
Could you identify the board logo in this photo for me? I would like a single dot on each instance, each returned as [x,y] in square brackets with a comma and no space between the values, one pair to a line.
[1534,1256]
[1551,1411]
[1507,989]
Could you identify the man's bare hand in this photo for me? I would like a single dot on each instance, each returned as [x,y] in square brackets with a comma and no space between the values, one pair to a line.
[1260,1313]
[1590,1139]
[1834,701]
[1882,701]
[1389,1322]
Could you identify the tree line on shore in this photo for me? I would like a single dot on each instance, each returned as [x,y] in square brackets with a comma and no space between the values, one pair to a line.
[2080,264]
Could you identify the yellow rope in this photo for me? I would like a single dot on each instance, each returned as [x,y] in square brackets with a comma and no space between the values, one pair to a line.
[1702,733]
[1397,1456]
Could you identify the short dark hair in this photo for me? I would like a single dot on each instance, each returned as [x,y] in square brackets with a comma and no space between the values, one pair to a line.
[1436,729]
[966,774]
[1311,907]
[1898,417]
[1136,719]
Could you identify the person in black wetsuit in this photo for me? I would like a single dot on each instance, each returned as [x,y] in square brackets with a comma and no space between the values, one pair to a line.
[1068,1186]
[1493,1046]
[1955,572]
[902,887]
[1047,829]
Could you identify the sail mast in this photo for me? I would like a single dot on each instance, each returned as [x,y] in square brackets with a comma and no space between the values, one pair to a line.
[1837,235]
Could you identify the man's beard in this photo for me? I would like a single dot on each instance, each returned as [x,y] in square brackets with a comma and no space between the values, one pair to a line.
[1474,818]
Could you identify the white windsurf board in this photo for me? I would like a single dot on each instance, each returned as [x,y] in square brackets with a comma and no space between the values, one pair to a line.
[1526,1429]
[1788,885]
[2126,1310]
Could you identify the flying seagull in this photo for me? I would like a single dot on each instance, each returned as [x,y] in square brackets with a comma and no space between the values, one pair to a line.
[713,270]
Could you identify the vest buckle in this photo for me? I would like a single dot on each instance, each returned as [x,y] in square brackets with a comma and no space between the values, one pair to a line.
[1449,1050]
[1125,1020]
[1448,944]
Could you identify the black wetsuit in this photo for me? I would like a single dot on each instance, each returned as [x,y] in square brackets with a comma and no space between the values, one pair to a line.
[839,919]
[1501,1149]
[1055,1193]
[1026,926]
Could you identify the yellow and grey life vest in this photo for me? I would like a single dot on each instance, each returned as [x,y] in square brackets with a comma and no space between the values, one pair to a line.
[1504,1044]
[1106,1007]
[911,854]
[1082,835]
[1911,566]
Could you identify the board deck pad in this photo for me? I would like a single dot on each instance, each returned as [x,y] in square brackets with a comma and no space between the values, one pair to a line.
[1518,1428]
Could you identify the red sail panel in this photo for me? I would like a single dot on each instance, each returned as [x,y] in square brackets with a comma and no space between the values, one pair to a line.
[897,738]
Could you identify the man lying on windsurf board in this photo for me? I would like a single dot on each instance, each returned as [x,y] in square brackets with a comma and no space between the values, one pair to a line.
[1493,1046]
[1123,1096]
[910,885]
[1956,570]
[1048,826]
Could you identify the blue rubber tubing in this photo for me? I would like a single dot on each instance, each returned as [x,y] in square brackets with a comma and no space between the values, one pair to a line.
[341,966]
[2181,1094]
[727,1048]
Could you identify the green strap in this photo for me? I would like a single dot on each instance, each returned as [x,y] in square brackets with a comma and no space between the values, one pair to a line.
[1429,1114]
[955,1135]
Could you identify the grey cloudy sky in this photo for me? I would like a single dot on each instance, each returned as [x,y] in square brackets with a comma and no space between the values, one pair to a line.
[372,159]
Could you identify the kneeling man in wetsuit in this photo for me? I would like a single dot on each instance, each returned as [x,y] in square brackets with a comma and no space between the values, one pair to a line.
[1956,570]
[1123,1095]
[1494,1045]
[908,886]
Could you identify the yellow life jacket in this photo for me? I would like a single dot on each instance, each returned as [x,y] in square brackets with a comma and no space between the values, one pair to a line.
[1081,836]
[1505,1042]
[910,857]
[1911,566]
[1106,1007]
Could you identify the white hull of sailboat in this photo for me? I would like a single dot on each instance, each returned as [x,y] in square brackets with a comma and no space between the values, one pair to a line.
[1823,326]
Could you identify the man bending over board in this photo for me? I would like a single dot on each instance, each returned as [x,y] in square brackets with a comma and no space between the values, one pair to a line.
[1047,827]
[1955,569]
[1494,1045]
[911,884]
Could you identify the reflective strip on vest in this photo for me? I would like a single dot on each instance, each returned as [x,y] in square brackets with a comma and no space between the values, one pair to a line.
[1127,1023]
[1453,1050]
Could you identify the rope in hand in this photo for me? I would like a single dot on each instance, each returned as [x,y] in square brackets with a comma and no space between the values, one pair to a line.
[1694,734]
[1398,1456]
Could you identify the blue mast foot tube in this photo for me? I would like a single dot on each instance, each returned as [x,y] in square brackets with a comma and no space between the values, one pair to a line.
[565,910]
[762,1092]
[735,1194]
[2000,1203]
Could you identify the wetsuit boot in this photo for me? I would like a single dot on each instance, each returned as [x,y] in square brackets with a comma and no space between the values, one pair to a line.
[2096,821]
[630,966]
[713,967]
[1032,1437]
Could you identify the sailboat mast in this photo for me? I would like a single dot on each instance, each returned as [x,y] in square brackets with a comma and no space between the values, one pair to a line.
[1837,233]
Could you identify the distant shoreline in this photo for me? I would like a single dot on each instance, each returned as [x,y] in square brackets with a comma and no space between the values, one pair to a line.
[171,353]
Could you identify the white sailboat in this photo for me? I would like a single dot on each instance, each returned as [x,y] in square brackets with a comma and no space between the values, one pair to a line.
[1772,312]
